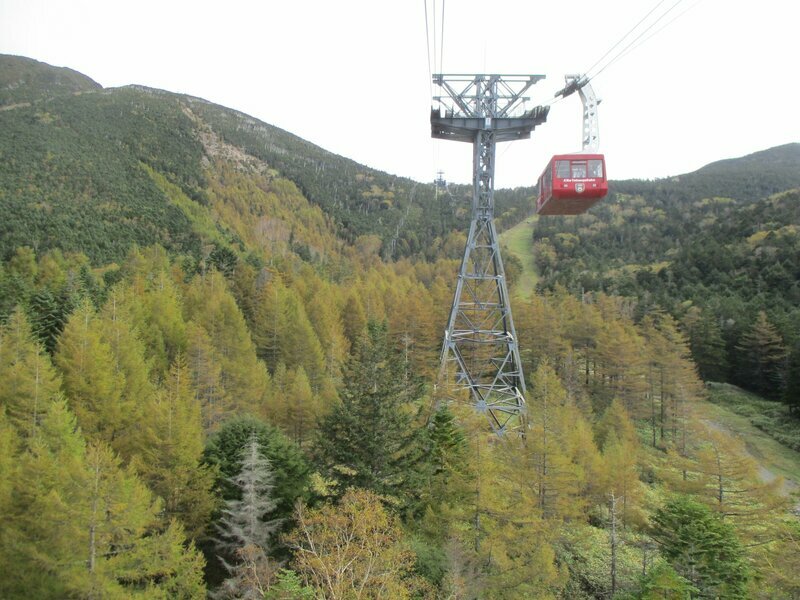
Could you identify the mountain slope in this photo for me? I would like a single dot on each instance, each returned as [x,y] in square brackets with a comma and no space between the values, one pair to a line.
[24,80]
[84,153]
[72,176]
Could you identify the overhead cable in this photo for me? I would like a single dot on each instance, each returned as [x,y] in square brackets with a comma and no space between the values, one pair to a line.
[622,52]
[622,39]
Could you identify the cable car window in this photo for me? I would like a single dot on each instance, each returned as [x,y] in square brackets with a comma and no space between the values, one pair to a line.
[562,169]
[579,169]
[595,168]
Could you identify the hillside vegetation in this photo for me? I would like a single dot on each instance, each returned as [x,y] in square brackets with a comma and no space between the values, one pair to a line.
[86,152]
[204,318]
[24,80]
[726,266]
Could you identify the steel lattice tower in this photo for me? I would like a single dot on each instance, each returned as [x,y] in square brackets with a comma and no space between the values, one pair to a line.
[480,340]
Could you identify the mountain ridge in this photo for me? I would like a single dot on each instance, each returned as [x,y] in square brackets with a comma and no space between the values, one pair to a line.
[25,80]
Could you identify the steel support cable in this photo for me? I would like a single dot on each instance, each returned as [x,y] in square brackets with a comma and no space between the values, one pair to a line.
[434,147]
[630,47]
[428,47]
[441,43]
[434,35]
[622,39]
[662,28]
[622,52]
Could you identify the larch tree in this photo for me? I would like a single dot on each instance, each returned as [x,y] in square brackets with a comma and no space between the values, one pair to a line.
[299,345]
[552,458]
[616,436]
[303,408]
[323,312]
[582,324]
[615,420]
[9,441]
[206,375]
[153,306]
[244,378]
[733,487]
[30,383]
[92,381]
[622,480]
[138,394]
[620,364]
[500,543]
[171,463]
[267,322]
[671,378]
[411,324]
[538,325]
[354,319]
[85,526]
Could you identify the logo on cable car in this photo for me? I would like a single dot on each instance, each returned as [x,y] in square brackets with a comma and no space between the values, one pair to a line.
[579,187]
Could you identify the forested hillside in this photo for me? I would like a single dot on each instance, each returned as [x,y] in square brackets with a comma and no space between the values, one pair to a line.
[203,318]
[93,153]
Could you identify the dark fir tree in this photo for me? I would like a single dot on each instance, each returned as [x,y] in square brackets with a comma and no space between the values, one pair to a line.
[368,440]
[290,469]
[791,394]
[702,548]
[707,344]
[762,359]
[49,313]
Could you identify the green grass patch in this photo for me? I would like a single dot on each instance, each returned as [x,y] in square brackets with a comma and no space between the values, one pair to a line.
[519,242]
[773,418]
[769,433]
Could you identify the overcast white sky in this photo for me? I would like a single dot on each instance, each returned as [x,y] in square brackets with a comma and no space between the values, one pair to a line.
[352,75]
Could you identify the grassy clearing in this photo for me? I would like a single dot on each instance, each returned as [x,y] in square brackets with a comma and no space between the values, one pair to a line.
[773,418]
[519,242]
[745,414]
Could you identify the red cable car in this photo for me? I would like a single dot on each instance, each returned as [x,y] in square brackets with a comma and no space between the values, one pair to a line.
[571,184]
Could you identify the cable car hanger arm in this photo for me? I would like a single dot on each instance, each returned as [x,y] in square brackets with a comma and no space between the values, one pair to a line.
[591,126]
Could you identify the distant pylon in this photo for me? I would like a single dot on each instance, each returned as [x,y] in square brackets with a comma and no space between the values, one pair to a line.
[480,338]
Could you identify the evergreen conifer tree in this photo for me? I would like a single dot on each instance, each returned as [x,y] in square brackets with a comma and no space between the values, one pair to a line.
[702,548]
[707,344]
[762,359]
[244,534]
[170,463]
[289,466]
[368,440]
[791,395]
[29,381]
